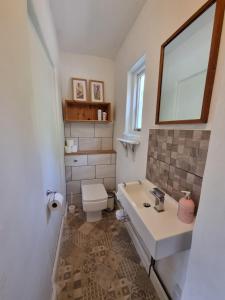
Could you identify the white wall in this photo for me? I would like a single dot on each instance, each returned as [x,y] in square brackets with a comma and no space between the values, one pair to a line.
[157,21]
[39,11]
[87,67]
[206,276]
[28,236]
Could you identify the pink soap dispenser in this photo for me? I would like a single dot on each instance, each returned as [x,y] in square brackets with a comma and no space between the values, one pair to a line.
[186,208]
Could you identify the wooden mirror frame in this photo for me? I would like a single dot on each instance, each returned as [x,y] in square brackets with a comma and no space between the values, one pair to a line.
[212,63]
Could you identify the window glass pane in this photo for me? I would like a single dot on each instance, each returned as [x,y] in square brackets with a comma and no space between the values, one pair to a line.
[139,100]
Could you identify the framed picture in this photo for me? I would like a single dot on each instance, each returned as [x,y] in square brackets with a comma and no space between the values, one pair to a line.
[97,90]
[79,89]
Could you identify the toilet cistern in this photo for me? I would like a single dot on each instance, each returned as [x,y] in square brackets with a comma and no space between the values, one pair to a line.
[159,199]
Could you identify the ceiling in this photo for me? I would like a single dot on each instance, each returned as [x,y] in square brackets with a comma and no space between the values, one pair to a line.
[94,27]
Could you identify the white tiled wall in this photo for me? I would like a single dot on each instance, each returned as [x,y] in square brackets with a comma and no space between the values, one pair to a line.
[107,143]
[67,130]
[109,183]
[91,168]
[75,160]
[82,130]
[73,187]
[89,143]
[104,130]
[96,168]
[96,159]
[90,136]
[105,171]
[92,181]
[83,172]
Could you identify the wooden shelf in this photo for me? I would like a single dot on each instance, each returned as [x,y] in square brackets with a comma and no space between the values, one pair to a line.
[85,111]
[88,121]
[88,152]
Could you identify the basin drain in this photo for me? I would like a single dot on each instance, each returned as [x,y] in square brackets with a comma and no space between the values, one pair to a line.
[146,204]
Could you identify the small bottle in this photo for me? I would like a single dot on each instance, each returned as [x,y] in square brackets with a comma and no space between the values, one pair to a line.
[104,114]
[99,115]
[186,208]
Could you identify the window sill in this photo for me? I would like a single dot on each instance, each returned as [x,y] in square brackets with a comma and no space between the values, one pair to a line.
[129,142]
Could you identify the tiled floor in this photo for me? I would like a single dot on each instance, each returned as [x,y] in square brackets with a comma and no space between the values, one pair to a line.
[98,261]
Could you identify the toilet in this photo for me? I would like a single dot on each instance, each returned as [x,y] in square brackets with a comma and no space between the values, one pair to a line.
[94,200]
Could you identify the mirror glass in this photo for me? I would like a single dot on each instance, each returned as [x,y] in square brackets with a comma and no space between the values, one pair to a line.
[185,66]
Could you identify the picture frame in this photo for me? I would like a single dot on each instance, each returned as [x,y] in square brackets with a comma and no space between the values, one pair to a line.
[80,92]
[96,90]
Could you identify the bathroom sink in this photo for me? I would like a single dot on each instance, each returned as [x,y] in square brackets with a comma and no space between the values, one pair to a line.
[162,232]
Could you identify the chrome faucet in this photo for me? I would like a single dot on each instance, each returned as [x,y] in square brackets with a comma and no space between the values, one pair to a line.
[159,199]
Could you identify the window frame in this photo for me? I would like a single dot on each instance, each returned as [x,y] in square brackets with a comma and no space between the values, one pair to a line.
[140,66]
[137,76]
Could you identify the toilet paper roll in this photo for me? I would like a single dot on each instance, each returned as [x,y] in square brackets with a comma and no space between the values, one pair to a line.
[55,201]
[74,148]
[68,149]
[69,142]
[72,209]
[120,215]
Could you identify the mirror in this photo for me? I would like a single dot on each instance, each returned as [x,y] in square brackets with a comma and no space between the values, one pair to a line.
[187,67]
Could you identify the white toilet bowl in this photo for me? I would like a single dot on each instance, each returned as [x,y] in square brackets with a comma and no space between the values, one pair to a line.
[94,200]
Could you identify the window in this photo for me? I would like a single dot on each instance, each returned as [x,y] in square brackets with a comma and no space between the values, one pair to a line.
[138,100]
[135,94]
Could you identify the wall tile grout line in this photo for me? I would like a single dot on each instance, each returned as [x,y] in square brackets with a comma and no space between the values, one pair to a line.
[101,143]
[169,165]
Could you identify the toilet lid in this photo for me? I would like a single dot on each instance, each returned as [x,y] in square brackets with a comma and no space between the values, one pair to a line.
[94,192]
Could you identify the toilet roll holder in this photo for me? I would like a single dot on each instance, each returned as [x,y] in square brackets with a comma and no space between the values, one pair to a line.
[49,192]
[51,197]
[55,200]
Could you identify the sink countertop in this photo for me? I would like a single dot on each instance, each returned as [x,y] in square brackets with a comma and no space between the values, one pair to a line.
[162,225]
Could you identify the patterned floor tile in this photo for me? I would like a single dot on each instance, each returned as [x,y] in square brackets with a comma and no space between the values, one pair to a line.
[120,289]
[128,269]
[86,228]
[93,291]
[98,261]
[104,276]
[113,260]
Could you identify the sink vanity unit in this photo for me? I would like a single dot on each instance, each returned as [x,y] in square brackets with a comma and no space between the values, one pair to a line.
[162,232]
[156,235]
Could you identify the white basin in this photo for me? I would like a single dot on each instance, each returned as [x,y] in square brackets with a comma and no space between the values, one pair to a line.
[162,232]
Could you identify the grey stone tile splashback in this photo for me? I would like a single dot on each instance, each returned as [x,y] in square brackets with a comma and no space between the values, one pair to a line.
[180,180]
[160,142]
[189,150]
[158,172]
[176,160]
